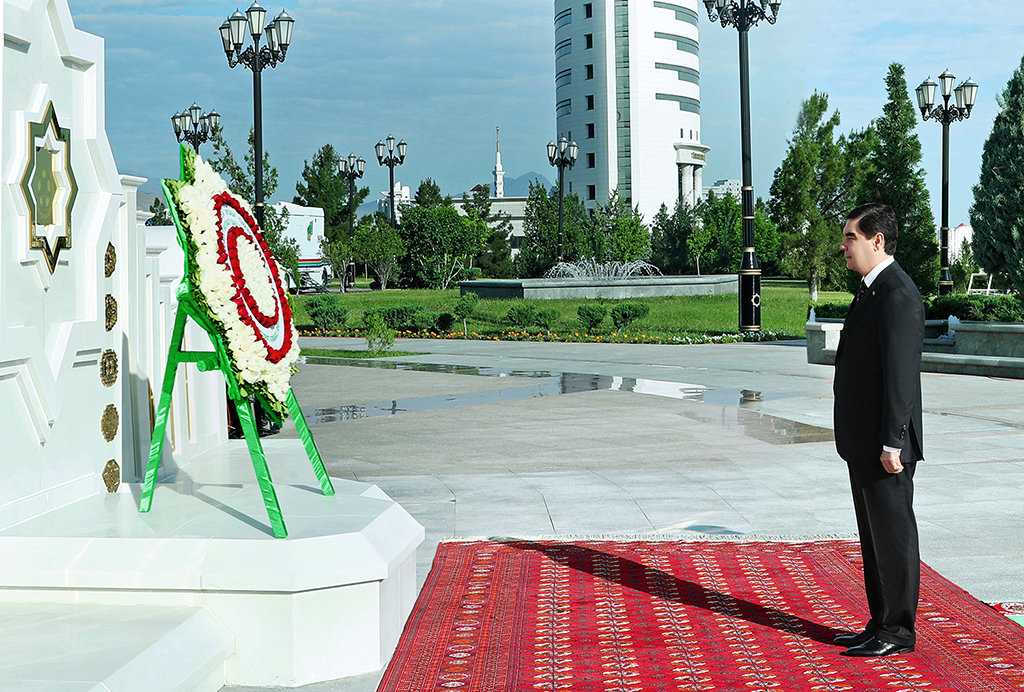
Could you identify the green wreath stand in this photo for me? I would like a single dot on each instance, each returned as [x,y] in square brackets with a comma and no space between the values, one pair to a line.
[218,359]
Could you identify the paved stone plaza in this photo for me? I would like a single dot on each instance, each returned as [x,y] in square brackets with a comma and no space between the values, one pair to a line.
[654,441]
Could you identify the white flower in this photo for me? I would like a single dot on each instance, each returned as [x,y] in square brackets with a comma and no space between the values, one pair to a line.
[217,284]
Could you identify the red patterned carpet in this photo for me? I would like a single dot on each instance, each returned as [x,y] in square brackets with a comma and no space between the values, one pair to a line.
[719,615]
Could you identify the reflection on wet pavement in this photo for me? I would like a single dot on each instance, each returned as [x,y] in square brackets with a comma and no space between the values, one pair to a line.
[735,410]
[760,426]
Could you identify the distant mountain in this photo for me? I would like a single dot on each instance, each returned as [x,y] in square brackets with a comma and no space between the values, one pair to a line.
[144,200]
[520,187]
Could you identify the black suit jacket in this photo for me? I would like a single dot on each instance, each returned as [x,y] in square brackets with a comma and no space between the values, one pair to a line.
[877,384]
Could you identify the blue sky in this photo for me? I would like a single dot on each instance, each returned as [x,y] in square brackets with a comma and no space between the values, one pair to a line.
[442,74]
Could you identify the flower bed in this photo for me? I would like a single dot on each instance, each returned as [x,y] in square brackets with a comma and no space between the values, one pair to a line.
[572,337]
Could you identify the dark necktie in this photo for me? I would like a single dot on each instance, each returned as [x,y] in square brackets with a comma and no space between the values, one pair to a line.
[861,290]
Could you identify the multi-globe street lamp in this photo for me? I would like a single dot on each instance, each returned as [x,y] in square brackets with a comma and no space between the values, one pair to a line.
[946,113]
[350,169]
[743,14]
[256,57]
[193,126]
[387,156]
[562,156]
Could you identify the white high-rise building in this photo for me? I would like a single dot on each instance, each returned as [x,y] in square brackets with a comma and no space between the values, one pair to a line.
[627,90]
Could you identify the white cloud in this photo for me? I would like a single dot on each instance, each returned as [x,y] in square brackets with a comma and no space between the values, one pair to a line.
[443,75]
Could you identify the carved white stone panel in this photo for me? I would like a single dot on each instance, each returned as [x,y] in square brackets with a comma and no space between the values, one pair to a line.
[59,199]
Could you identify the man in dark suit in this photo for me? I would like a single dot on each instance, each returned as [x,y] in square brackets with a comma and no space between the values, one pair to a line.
[877,420]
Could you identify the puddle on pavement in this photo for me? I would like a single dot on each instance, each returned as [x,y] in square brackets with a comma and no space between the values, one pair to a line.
[760,426]
[735,410]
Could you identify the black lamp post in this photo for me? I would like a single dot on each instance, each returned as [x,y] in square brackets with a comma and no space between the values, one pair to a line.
[744,14]
[562,156]
[350,169]
[945,113]
[391,159]
[193,126]
[256,57]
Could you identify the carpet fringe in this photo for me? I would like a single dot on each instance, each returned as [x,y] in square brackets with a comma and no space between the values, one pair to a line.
[662,538]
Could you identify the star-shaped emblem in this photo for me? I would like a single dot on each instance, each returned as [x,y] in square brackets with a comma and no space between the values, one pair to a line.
[49,186]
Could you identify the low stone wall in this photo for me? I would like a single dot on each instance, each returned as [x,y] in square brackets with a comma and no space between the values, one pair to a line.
[611,289]
[991,349]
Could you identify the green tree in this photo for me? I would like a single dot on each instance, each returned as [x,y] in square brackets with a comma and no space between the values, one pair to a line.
[539,249]
[626,238]
[722,217]
[439,243]
[495,260]
[323,186]
[465,308]
[338,253]
[378,246]
[670,234]
[161,217]
[961,266]
[766,240]
[813,190]
[698,242]
[537,252]
[428,194]
[997,214]
[897,179]
[241,181]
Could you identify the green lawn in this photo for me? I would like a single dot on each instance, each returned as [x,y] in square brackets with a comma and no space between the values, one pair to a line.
[358,355]
[783,311]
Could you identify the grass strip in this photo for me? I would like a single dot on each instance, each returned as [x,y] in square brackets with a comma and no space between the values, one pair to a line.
[343,353]
[671,319]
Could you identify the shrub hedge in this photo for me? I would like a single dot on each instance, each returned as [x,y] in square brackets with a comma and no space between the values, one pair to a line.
[326,311]
[829,309]
[521,315]
[591,315]
[999,308]
[625,313]
[979,308]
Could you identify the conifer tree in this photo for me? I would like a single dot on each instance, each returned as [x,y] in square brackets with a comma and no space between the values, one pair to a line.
[323,186]
[495,260]
[997,215]
[669,234]
[898,180]
[811,193]
[161,217]
[539,250]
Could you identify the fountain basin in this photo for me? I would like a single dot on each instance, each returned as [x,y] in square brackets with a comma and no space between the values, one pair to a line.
[611,289]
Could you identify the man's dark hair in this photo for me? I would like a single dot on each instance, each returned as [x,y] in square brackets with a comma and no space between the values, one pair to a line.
[874,218]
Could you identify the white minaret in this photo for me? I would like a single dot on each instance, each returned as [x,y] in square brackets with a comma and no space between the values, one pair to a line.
[499,172]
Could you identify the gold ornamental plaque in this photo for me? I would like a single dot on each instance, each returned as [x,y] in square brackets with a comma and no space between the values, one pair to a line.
[109,261]
[110,312]
[109,422]
[108,368]
[112,476]
[49,187]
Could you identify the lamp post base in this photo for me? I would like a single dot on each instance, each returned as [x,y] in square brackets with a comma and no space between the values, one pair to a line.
[750,300]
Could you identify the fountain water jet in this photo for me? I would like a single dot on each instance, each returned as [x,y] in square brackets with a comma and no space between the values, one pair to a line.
[592,269]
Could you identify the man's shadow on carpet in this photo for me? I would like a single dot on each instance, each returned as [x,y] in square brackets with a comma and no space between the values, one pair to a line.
[668,587]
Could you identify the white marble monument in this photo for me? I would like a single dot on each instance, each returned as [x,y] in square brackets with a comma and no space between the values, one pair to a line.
[196,593]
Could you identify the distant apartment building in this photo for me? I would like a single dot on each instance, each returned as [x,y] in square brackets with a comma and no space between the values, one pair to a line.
[627,90]
[957,236]
[721,188]
[403,196]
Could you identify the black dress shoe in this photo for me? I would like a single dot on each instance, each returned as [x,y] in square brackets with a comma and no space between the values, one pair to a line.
[848,640]
[875,647]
